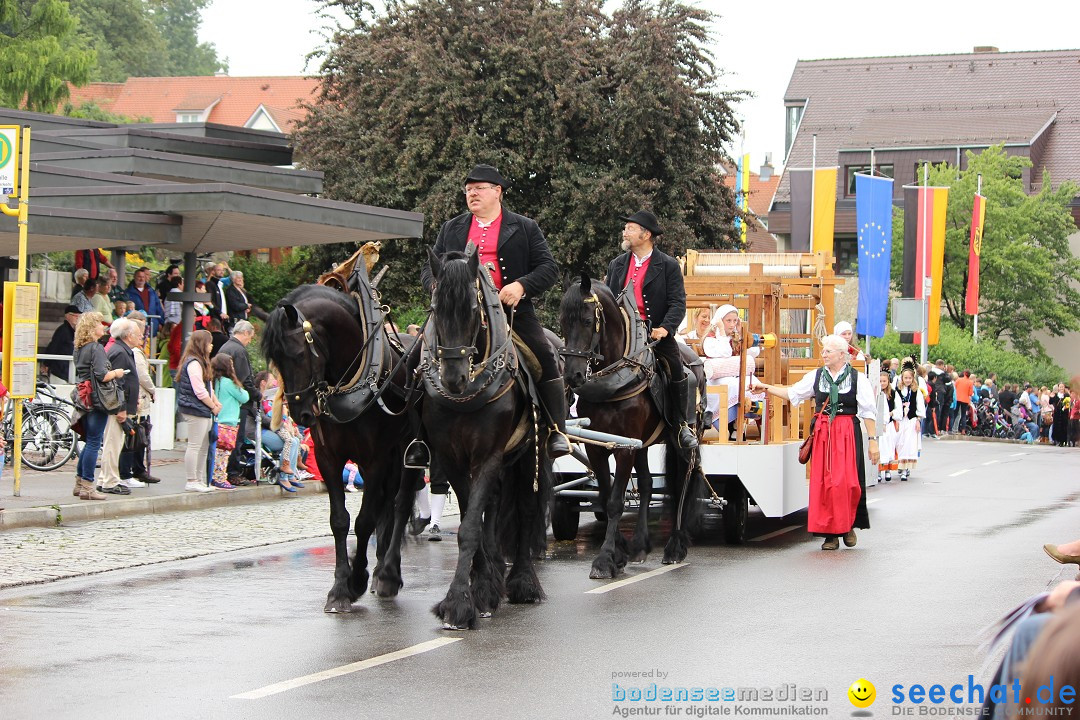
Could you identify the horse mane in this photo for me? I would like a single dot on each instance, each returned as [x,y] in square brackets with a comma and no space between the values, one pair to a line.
[573,308]
[454,292]
[273,342]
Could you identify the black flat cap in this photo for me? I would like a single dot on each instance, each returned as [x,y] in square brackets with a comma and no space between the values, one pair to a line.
[488,174]
[72,309]
[645,219]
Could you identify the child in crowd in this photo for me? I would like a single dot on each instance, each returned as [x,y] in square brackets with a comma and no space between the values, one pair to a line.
[231,394]
[351,477]
[886,428]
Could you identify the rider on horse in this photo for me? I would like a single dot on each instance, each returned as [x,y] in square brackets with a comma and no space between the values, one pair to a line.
[514,249]
[661,300]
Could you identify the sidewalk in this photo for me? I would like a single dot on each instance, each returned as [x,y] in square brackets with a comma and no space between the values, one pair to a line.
[46,499]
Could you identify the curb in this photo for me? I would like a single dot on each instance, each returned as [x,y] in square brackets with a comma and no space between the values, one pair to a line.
[976,438]
[87,511]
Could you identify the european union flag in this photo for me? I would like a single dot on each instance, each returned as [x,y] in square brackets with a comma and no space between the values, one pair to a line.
[873,218]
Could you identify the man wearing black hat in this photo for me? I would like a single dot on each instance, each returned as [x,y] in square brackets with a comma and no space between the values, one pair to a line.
[63,343]
[661,299]
[522,268]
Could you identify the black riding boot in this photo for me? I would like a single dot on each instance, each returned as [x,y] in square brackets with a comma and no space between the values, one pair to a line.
[553,396]
[417,455]
[680,394]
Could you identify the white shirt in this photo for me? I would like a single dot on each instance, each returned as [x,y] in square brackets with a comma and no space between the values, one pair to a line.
[898,405]
[639,261]
[864,392]
[720,347]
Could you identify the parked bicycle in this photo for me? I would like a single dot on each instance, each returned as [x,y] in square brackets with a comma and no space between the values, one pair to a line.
[48,440]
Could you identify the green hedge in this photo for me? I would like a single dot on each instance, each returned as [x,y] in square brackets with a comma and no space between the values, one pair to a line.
[265,284]
[957,348]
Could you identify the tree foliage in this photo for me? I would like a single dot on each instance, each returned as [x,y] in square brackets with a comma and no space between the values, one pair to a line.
[90,110]
[590,116]
[124,36]
[39,55]
[178,23]
[1028,276]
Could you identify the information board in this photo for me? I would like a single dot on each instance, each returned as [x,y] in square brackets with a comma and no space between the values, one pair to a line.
[21,303]
[9,160]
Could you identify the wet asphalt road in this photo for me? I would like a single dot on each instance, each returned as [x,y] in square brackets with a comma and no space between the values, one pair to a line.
[945,557]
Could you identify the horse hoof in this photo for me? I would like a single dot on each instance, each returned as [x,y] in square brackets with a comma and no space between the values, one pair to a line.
[601,574]
[448,626]
[485,614]
[338,605]
[639,557]
[385,588]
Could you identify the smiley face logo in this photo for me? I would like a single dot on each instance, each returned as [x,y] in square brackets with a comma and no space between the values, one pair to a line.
[862,693]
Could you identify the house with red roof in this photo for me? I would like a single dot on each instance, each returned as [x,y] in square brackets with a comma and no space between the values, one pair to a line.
[759,199]
[259,103]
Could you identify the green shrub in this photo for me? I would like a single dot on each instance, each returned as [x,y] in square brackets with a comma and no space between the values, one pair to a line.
[264,283]
[956,347]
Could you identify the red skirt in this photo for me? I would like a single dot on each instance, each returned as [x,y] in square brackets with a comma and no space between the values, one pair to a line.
[834,476]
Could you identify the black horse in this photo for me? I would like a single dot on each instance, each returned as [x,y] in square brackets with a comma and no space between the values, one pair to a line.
[617,399]
[343,376]
[482,429]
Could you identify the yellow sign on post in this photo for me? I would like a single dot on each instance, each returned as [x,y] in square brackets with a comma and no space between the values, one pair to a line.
[9,160]
[21,302]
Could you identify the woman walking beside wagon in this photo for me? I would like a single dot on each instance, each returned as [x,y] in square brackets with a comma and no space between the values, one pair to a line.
[837,472]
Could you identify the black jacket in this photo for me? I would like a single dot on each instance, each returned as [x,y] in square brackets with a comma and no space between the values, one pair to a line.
[663,291]
[213,286]
[123,358]
[236,304]
[62,343]
[523,253]
[242,365]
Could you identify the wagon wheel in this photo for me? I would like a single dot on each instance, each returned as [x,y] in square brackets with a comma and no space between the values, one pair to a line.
[735,513]
[565,516]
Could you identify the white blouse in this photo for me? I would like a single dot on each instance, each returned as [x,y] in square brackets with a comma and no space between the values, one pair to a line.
[720,347]
[864,392]
[898,405]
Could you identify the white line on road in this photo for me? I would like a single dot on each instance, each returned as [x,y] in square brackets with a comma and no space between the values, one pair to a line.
[637,578]
[960,472]
[346,669]
[871,502]
[775,533]
[991,462]
[1018,454]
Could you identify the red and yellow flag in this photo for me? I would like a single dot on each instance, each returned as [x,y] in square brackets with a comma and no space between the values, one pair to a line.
[933,203]
[978,218]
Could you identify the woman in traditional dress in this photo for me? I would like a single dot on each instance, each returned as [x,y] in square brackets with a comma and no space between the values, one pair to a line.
[837,470]
[909,412]
[722,347]
[887,443]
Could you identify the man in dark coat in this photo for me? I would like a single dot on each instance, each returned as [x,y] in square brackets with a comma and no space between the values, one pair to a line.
[661,300]
[522,268]
[63,343]
[236,348]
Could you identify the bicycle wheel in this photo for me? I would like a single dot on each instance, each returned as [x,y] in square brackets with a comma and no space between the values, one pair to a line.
[48,441]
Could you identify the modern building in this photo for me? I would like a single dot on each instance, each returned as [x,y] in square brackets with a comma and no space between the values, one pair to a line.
[931,108]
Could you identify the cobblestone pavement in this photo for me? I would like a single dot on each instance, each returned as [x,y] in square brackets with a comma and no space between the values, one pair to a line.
[37,555]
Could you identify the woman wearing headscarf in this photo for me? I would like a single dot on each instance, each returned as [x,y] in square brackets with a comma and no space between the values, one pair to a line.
[841,396]
[844,330]
[722,348]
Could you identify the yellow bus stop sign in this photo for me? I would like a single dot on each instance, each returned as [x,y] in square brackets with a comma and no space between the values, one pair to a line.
[9,166]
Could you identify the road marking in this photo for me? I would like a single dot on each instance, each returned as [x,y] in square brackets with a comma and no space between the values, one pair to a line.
[871,502]
[960,472]
[637,578]
[1018,454]
[346,669]
[991,462]
[775,533]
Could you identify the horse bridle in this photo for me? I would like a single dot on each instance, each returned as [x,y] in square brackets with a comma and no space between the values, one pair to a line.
[593,354]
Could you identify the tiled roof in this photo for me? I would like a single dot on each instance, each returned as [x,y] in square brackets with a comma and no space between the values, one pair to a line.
[159,98]
[947,126]
[849,98]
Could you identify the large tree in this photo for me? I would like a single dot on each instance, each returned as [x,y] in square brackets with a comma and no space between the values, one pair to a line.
[178,23]
[590,116]
[1029,278]
[39,55]
[124,36]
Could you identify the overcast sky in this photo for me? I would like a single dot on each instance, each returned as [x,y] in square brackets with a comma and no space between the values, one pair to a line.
[756,43]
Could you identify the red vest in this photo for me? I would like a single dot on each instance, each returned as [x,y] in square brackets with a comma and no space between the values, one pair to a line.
[486,240]
[637,274]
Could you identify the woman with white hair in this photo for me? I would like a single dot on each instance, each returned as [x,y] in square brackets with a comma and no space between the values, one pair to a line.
[236,301]
[127,334]
[837,470]
[722,348]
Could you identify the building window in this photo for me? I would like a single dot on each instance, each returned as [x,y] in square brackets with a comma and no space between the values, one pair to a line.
[188,117]
[846,250]
[794,116]
[851,170]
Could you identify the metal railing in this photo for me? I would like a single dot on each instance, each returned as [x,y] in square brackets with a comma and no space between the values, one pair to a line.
[158,366]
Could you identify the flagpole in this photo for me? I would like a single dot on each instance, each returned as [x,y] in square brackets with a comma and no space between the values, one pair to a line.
[975,325]
[924,346]
[813,184]
[871,215]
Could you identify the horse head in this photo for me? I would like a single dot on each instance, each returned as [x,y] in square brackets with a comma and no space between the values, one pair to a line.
[456,315]
[582,316]
[301,339]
